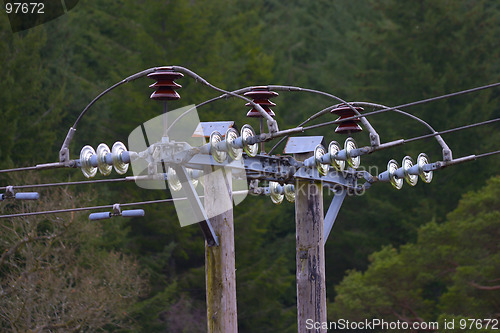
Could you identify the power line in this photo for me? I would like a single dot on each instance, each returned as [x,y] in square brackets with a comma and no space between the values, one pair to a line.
[456,129]
[423,101]
[314,116]
[126,80]
[45,166]
[386,109]
[270,87]
[488,154]
[89,208]
[83,182]
[18,169]
[291,88]
[128,204]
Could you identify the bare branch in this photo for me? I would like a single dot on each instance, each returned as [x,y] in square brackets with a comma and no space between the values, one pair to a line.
[477,286]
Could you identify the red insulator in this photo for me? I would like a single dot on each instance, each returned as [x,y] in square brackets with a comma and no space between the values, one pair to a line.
[261,96]
[165,85]
[350,126]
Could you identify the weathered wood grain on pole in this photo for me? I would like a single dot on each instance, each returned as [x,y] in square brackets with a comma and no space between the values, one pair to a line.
[220,272]
[310,253]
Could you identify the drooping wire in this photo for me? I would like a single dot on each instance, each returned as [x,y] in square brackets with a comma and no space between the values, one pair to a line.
[128,79]
[278,88]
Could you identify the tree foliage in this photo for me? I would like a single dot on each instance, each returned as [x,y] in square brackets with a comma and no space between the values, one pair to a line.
[56,276]
[451,271]
[388,52]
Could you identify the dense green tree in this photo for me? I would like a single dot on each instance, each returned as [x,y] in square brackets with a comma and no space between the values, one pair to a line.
[451,271]
[30,100]
[393,52]
[387,51]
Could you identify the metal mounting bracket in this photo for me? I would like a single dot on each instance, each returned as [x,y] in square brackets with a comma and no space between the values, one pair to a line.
[331,214]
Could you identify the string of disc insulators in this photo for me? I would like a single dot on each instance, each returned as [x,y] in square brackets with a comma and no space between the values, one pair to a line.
[277,192]
[322,159]
[232,144]
[175,184]
[104,159]
[409,171]
[335,156]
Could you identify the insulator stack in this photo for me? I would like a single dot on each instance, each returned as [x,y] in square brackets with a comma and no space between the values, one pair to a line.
[261,96]
[165,85]
[350,126]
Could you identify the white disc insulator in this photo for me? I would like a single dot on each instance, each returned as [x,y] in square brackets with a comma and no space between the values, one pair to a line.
[350,145]
[422,160]
[231,136]
[173,181]
[289,190]
[86,153]
[117,150]
[319,151]
[407,164]
[218,155]
[334,148]
[247,132]
[275,192]
[392,166]
[102,151]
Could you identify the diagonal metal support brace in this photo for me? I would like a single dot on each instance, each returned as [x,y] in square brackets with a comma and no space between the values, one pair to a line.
[332,213]
[195,203]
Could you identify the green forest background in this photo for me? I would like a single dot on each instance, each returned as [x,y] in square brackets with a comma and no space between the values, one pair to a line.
[426,253]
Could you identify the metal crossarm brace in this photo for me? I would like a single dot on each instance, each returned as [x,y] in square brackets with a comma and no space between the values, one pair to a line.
[331,214]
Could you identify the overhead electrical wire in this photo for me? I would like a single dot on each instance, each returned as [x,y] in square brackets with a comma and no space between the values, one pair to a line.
[488,154]
[456,129]
[18,169]
[385,109]
[128,204]
[270,87]
[69,210]
[423,101]
[285,133]
[83,182]
[134,178]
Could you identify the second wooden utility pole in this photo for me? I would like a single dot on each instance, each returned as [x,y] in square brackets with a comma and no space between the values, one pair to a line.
[220,271]
[310,253]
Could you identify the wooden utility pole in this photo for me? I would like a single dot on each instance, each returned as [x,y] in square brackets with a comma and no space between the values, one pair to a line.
[220,271]
[310,252]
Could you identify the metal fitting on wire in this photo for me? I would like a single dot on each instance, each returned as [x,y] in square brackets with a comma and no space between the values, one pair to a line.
[9,194]
[116,212]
